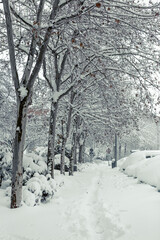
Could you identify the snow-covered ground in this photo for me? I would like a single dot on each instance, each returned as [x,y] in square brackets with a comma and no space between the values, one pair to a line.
[98,203]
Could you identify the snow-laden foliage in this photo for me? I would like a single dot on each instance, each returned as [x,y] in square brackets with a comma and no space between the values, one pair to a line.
[33,163]
[58,160]
[38,189]
[5,164]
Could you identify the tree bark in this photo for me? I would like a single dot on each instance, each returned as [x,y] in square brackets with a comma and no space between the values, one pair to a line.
[71,164]
[22,105]
[68,126]
[120,148]
[115,153]
[1,177]
[80,153]
[125,149]
[17,164]
[75,151]
[83,152]
[62,170]
[51,139]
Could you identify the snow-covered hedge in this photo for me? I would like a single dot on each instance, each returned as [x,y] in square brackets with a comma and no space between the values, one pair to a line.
[146,170]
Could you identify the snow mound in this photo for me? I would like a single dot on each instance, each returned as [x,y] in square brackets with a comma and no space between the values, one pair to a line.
[121,161]
[146,170]
[139,156]
[133,159]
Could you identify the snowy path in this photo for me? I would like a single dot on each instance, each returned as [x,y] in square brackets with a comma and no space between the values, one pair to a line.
[96,204]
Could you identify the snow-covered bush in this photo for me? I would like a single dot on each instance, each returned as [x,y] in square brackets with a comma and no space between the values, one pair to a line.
[57,161]
[41,151]
[38,184]
[38,189]
[5,165]
[33,163]
[99,154]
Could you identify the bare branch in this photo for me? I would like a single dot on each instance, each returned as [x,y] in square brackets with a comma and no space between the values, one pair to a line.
[11,45]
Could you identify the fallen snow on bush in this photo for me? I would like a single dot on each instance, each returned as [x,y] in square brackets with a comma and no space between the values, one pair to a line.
[38,189]
[146,170]
[57,160]
[41,151]
[34,162]
[5,166]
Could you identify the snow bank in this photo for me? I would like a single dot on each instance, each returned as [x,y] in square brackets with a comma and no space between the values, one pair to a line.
[121,161]
[146,170]
[133,159]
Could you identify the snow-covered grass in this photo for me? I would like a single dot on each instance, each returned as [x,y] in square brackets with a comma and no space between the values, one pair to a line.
[146,170]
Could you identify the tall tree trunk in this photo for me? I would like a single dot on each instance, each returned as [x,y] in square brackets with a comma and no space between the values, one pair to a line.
[114,164]
[0,177]
[116,147]
[17,167]
[75,142]
[28,82]
[80,153]
[62,170]
[75,151]
[68,126]
[71,163]
[120,148]
[83,152]
[125,149]
[51,139]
